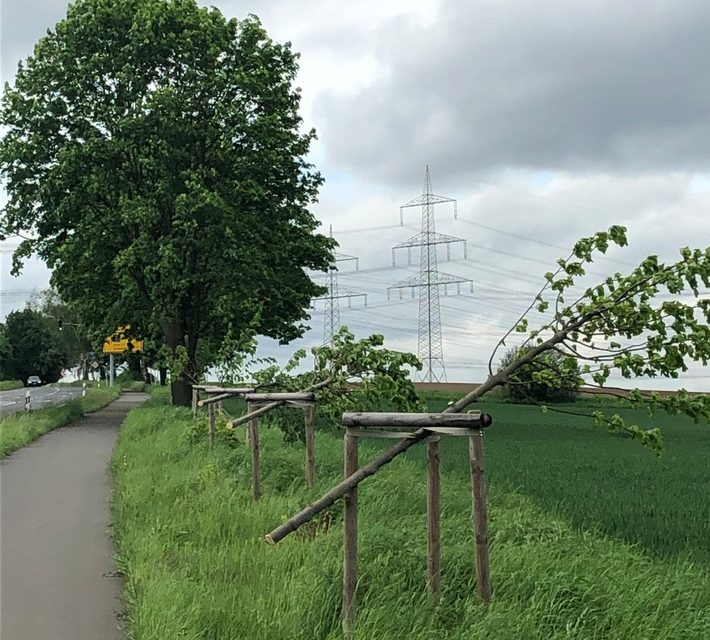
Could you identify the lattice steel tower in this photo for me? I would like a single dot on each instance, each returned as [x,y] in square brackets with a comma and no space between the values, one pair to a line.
[428,280]
[331,319]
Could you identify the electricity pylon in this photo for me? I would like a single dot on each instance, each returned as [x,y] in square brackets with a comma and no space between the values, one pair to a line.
[331,320]
[428,280]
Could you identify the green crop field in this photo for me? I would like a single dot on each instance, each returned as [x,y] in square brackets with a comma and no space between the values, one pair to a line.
[592,536]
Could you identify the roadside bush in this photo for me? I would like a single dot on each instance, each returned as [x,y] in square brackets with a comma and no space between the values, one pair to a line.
[551,377]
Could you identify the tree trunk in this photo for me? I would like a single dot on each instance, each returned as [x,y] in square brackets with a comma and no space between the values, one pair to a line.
[181,392]
[134,366]
[181,384]
[163,376]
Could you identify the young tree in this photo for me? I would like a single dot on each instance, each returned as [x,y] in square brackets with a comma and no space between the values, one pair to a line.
[651,322]
[348,375]
[154,152]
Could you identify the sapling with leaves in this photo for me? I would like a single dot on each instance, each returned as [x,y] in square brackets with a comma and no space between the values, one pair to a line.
[348,375]
[618,325]
[621,326]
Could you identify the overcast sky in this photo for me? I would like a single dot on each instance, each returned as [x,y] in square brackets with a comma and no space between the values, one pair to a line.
[546,121]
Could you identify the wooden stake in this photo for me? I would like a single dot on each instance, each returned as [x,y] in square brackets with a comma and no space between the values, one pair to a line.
[337,492]
[480,517]
[255,463]
[350,543]
[213,424]
[195,398]
[433,512]
[309,412]
[249,415]
[344,487]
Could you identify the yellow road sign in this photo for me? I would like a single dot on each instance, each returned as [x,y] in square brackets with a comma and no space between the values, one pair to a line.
[119,343]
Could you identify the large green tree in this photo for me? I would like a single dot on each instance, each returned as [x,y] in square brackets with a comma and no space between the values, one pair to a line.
[154,153]
[34,347]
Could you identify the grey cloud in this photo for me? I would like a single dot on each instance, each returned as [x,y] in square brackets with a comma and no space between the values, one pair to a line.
[23,22]
[550,85]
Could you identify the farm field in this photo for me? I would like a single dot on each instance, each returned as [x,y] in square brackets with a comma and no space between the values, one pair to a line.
[592,536]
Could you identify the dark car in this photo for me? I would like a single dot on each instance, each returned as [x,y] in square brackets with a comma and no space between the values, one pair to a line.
[34,381]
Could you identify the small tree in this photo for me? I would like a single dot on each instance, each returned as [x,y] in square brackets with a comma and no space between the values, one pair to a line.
[348,375]
[618,325]
[652,322]
[530,383]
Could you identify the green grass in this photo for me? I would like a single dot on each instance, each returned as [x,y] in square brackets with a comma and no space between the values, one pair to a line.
[9,385]
[134,385]
[20,429]
[191,541]
[579,472]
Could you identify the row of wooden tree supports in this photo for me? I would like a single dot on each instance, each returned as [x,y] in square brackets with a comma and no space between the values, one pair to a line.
[258,404]
[418,427]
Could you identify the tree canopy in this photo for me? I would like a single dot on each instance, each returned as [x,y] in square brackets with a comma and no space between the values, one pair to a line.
[154,156]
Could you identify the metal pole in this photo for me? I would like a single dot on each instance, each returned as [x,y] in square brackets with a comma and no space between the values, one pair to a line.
[112,372]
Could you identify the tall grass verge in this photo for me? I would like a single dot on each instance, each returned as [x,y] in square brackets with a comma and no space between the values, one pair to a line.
[9,385]
[20,429]
[190,545]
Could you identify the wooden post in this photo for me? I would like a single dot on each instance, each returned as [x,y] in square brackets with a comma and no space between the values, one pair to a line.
[308,413]
[195,398]
[480,517]
[213,424]
[255,464]
[433,513]
[350,542]
[431,422]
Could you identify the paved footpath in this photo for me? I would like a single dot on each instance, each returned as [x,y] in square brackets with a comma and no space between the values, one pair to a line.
[55,554]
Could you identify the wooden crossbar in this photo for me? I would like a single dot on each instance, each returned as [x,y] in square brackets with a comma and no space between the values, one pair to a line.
[473,419]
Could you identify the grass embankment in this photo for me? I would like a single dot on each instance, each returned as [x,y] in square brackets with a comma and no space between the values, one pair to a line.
[9,385]
[20,429]
[196,566]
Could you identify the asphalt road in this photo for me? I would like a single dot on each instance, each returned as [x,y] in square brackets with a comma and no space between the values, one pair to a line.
[56,580]
[13,401]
